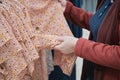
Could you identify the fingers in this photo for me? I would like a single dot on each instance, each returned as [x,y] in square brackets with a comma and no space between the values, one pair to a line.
[55,43]
[59,46]
[59,39]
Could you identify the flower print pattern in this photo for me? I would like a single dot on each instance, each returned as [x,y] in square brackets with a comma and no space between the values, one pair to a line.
[29,50]
[11,47]
[27,31]
[44,23]
[4,35]
[23,14]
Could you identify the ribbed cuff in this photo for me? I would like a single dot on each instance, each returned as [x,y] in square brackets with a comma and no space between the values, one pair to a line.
[79,46]
[68,7]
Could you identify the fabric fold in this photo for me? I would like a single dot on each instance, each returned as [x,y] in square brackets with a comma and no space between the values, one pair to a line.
[44,23]
[27,33]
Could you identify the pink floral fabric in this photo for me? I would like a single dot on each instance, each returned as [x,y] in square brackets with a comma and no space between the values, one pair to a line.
[26,32]
[48,21]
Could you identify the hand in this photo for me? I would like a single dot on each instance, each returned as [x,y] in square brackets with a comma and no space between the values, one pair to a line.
[63,2]
[67,44]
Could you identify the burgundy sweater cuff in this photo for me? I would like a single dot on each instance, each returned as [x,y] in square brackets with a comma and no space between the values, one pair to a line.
[79,46]
[68,7]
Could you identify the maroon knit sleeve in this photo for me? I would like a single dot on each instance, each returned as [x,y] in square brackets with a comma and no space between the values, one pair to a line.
[99,53]
[77,16]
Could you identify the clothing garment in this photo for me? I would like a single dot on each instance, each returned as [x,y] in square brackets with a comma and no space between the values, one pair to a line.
[98,17]
[104,51]
[57,74]
[19,61]
[94,23]
[77,31]
[44,22]
[23,54]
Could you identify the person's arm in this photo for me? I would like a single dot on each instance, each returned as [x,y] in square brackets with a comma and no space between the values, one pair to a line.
[99,53]
[77,16]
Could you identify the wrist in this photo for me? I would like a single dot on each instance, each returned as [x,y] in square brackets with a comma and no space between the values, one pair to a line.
[75,42]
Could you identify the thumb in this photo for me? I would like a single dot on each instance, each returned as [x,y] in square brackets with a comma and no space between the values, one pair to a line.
[58,47]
